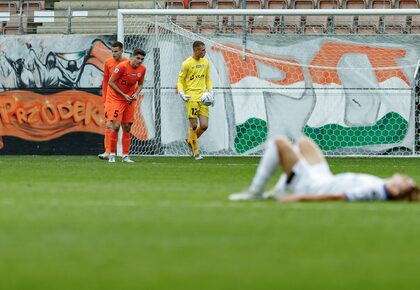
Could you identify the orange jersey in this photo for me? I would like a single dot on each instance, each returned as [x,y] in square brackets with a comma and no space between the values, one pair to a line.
[109,67]
[126,78]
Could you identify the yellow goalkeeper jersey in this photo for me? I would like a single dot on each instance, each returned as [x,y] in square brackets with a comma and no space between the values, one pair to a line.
[194,78]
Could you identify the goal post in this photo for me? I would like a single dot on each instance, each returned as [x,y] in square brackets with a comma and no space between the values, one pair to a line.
[416,91]
[353,94]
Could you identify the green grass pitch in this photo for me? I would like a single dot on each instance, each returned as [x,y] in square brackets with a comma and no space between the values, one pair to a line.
[70,223]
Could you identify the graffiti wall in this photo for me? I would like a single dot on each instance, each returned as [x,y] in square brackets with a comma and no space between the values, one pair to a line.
[50,99]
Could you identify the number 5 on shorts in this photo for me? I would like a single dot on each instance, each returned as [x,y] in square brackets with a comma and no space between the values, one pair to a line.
[116,114]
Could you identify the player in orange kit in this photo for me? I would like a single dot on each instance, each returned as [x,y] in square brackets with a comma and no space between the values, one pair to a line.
[124,87]
[117,50]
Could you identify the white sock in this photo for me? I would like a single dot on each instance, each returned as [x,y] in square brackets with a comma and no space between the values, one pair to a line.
[280,186]
[268,165]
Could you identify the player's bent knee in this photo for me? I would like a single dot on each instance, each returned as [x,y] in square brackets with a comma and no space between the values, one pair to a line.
[115,126]
[305,142]
[126,127]
[282,142]
[109,126]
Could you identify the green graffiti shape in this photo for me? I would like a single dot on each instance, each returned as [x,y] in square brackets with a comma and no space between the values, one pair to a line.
[250,134]
[390,129]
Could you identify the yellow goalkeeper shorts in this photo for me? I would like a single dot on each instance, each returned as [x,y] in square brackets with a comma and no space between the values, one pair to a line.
[195,109]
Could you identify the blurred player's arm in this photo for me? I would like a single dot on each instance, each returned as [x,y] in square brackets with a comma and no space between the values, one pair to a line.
[209,84]
[181,83]
[137,92]
[118,72]
[139,87]
[114,86]
[313,197]
[105,81]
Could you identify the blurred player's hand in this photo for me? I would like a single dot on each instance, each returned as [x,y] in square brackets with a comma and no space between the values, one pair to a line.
[183,96]
[134,97]
[127,97]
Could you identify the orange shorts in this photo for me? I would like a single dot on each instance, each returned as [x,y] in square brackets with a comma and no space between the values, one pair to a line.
[121,111]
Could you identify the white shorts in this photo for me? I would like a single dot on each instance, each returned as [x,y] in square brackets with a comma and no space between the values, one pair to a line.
[309,179]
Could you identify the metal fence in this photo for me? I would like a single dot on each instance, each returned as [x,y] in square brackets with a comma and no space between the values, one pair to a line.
[100,17]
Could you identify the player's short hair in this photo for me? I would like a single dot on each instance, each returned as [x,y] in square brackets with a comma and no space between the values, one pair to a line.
[139,51]
[198,43]
[411,193]
[117,44]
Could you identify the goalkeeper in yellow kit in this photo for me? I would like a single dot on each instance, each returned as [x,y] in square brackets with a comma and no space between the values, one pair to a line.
[194,81]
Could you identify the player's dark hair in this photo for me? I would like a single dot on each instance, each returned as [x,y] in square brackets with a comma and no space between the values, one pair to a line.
[117,44]
[139,51]
[412,194]
[197,43]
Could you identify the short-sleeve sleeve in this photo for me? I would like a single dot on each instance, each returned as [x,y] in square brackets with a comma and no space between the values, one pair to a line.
[366,193]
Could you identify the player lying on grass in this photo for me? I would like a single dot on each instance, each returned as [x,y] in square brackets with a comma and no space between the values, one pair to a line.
[308,177]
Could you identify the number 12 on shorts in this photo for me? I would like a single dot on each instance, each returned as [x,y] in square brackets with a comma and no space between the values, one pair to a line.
[194,111]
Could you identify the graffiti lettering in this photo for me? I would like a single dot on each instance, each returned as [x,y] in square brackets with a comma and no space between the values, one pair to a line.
[38,117]
[78,111]
[33,115]
[65,111]
[6,107]
[21,116]
[49,113]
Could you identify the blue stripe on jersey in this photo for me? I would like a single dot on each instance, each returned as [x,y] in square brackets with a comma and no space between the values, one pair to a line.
[387,195]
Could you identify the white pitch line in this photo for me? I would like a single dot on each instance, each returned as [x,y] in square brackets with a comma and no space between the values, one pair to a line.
[7,202]
[207,164]
[374,207]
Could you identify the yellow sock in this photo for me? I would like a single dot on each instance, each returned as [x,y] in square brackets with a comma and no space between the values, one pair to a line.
[199,132]
[190,135]
[192,139]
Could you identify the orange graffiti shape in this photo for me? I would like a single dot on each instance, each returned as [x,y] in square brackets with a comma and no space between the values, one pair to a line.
[331,53]
[99,53]
[239,68]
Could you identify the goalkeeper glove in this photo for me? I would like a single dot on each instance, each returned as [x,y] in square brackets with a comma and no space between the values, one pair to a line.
[183,96]
[212,98]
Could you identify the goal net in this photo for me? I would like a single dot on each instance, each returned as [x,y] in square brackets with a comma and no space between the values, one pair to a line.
[354,95]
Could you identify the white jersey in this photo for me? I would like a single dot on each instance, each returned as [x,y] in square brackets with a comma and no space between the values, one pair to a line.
[318,179]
